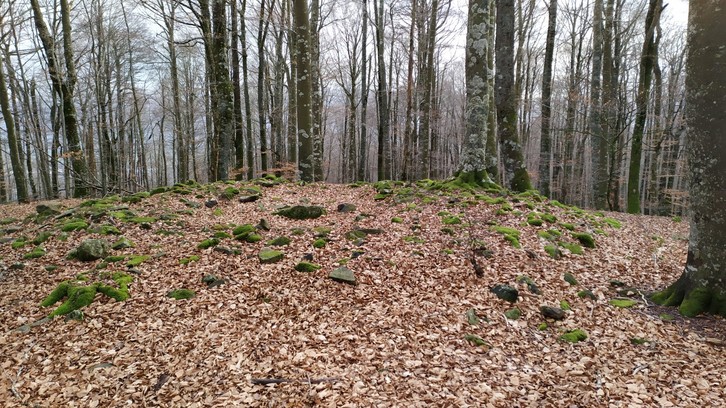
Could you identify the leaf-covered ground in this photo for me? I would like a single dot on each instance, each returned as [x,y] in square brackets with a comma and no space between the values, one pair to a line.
[405,335]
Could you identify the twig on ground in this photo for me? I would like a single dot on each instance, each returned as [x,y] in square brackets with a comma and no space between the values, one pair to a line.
[266,381]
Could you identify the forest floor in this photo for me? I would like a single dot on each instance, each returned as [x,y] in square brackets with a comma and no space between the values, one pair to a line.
[419,328]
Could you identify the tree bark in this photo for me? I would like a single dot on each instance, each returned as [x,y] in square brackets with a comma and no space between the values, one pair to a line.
[384,146]
[304,87]
[598,138]
[515,174]
[702,286]
[647,60]
[18,172]
[545,142]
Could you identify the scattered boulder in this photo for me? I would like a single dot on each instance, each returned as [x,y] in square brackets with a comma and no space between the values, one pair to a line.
[48,209]
[513,314]
[268,255]
[249,198]
[211,203]
[506,292]
[91,250]
[213,281]
[263,225]
[307,267]
[301,212]
[570,278]
[554,313]
[122,243]
[343,274]
[346,207]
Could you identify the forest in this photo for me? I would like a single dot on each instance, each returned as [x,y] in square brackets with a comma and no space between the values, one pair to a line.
[104,97]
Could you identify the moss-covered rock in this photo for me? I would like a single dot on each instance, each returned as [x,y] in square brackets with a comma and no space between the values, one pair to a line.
[243,229]
[188,260]
[553,251]
[585,239]
[137,260]
[319,243]
[574,249]
[586,294]
[506,292]
[530,284]
[121,293]
[279,241]
[73,225]
[268,255]
[510,234]
[301,212]
[107,230]
[513,314]
[451,220]
[570,278]
[574,336]
[122,243]
[208,243]
[90,250]
[19,243]
[472,318]
[346,207]
[307,267]
[554,313]
[623,303]
[180,294]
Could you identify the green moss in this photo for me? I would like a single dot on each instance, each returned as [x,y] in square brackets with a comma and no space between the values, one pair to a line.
[142,220]
[667,317]
[243,229]
[574,336]
[107,230]
[586,294]
[249,237]
[412,239]
[638,341]
[186,261]
[624,303]
[550,218]
[570,278]
[612,222]
[115,258]
[217,212]
[297,231]
[9,220]
[42,237]
[695,302]
[542,326]
[74,225]
[476,340]
[180,294]
[513,240]
[51,268]
[222,235]
[137,260]
[268,255]
[319,243]
[534,221]
[57,294]
[585,239]
[451,220]
[122,243]
[448,231]
[676,219]
[575,249]
[397,220]
[76,297]
[122,292]
[280,241]
[37,252]
[354,235]
[307,267]
[208,243]
[564,305]
[513,314]
[18,243]
[567,226]
[506,230]
[229,193]
[322,231]
[159,190]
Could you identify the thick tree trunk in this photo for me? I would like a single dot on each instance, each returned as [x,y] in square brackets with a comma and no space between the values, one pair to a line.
[301,22]
[515,174]
[598,138]
[702,286]
[472,166]
[384,146]
[363,145]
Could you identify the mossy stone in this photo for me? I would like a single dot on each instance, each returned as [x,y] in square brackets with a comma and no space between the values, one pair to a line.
[137,260]
[91,250]
[180,294]
[575,249]
[268,256]
[280,241]
[585,239]
[451,220]
[301,212]
[472,318]
[513,314]
[554,313]
[75,225]
[574,336]
[570,278]
[37,252]
[553,251]
[586,294]
[42,237]
[307,267]
[107,230]
[346,207]
[319,243]
[506,292]
[243,229]
[624,303]
[476,340]
[186,261]
[122,243]
[208,243]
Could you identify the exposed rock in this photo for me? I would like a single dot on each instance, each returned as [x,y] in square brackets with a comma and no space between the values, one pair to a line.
[263,225]
[570,278]
[552,312]
[506,292]
[343,274]
[513,314]
[210,203]
[268,255]
[91,250]
[346,207]
[249,198]
[301,212]
[48,209]
[586,294]
[122,243]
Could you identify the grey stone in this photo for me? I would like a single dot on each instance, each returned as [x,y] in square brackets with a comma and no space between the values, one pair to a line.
[506,292]
[343,274]
[91,250]
[552,312]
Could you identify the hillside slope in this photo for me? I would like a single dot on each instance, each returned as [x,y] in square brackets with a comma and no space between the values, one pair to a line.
[419,328]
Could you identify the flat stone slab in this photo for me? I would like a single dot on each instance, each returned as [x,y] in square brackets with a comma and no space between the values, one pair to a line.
[552,312]
[270,256]
[343,274]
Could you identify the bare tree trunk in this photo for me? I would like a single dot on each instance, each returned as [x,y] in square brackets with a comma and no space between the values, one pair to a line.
[408,171]
[239,139]
[647,60]
[363,145]
[250,159]
[304,87]
[545,143]
[17,165]
[384,146]
[598,138]
[515,174]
